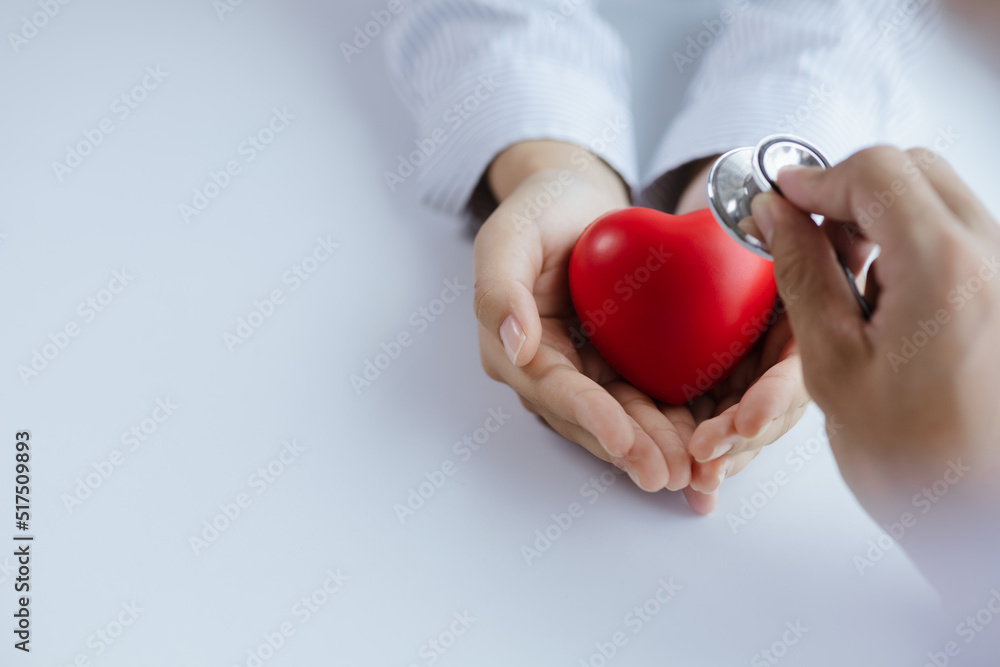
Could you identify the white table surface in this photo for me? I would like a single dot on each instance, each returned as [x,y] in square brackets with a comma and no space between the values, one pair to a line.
[333,506]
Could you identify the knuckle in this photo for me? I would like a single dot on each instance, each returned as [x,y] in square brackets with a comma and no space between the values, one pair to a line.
[632,403]
[926,159]
[791,272]
[876,157]
[878,164]
[921,156]
[585,399]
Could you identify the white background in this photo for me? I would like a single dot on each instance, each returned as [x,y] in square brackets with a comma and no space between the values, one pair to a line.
[333,507]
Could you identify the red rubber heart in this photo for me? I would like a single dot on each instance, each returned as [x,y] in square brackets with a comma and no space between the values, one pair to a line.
[671,302]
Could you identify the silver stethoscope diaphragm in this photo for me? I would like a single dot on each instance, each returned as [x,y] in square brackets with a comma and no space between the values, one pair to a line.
[742,174]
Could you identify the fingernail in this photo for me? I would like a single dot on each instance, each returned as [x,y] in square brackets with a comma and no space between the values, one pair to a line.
[721,450]
[513,337]
[724,474]
[635,478]
[718,482]
[605,448]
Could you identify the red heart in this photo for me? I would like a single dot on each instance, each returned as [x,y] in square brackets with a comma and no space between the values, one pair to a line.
[671,302]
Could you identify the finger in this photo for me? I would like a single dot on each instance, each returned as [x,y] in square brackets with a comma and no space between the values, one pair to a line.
[719,437]
[508,260]
[826,322]
[670,456]
[878,188]
[780,390]
[736,464]
[701,503]
[953,191]
[709,477]
[715,437]
[555,387]
[749,227]
[644,462]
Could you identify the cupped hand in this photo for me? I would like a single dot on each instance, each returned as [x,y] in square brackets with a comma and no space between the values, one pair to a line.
[530,337]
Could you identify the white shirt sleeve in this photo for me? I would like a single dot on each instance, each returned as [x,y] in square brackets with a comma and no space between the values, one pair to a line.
[481,75]
[831,71]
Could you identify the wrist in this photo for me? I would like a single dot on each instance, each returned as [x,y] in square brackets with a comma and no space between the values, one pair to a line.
[526,159]
[694,195]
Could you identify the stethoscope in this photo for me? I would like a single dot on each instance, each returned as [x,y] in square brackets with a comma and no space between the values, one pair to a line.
[742,174]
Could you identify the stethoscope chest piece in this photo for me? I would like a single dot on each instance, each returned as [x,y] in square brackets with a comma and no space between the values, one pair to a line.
[742,174]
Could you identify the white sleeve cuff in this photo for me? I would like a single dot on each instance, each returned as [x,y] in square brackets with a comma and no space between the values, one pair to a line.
[830,76]
[492,105]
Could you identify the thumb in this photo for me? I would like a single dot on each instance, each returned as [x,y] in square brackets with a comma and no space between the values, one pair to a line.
[508,260]
[825,319]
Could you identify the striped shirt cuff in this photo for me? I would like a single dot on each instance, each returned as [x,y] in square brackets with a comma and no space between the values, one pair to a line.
[832,77]
[492,105]
[831,121]
[713,125]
